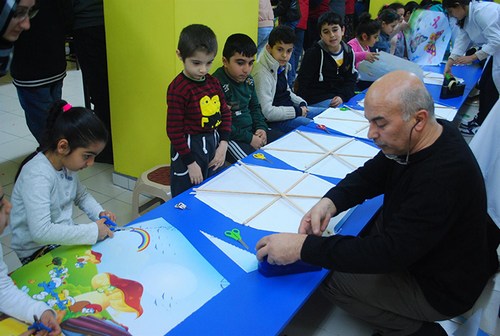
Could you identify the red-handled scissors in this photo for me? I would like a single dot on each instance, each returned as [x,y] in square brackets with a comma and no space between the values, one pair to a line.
[323,128]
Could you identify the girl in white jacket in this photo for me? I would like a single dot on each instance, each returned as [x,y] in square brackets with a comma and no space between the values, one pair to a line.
[479,24]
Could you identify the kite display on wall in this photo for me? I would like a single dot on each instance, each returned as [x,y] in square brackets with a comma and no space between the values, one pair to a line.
[144,290]
[427,37]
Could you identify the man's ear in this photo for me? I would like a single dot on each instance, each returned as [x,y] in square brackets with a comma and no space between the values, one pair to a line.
[421,119]
[63,147]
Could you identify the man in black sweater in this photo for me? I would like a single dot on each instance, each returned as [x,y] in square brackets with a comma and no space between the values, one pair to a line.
[429,252]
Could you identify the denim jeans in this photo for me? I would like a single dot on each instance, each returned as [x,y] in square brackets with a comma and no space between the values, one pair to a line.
[291,124]
[36,102]
[297,52]
[262,36]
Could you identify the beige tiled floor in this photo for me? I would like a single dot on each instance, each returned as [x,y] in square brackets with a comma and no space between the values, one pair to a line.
[317,317]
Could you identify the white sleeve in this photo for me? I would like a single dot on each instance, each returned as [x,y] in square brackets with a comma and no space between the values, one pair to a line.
[263,83]
[15,302]
[489,24]
[86,202]
[37,200]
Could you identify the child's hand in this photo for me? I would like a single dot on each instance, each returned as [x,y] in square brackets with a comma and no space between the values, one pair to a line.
[220,156]
[262,135]
[109,214]
[195,174]
[371,57]
[336,101]
[103,230]
[256,142]
[50,321]
[304,110]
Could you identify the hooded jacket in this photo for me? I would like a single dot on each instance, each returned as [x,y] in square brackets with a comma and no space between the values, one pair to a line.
[6,12]
[265,75]
[320,78]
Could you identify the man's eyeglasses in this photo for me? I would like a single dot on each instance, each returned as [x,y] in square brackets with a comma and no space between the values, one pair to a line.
[23,12]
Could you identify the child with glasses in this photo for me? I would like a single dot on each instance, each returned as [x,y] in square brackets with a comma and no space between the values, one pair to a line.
[14,19]
[198,119]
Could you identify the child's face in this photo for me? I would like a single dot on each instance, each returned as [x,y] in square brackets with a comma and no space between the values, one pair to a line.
[238,67]
[198,65]
[458,12]
[388,28]
[82,157]
[370,40]
[5,208]
[331,35]
[401,13]
[281,52]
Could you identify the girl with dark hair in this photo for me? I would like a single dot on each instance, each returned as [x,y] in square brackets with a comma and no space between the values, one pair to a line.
[479,24]
[48,186]
[388,19]
[367,34]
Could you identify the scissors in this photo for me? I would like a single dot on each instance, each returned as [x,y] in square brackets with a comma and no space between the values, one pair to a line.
[260,156]
[235,234]
[323,128]
[112,225]
[38,325]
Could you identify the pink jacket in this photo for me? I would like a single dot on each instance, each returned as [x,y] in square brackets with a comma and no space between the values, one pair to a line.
[359,51]
[266,16]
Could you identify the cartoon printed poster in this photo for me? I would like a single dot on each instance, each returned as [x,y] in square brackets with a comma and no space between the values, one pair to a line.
[144,281]
[428,37]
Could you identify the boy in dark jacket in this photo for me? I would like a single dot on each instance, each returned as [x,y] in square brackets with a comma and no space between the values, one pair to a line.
[249,130]
[327,75]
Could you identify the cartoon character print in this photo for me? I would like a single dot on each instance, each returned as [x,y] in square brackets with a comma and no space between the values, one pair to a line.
[431,45]
[210,111]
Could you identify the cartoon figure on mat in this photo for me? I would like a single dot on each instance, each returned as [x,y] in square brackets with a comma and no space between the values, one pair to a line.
[210,109]
[88,256]
[111,291]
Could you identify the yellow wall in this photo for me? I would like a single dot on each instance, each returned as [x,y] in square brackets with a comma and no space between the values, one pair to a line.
[141,41]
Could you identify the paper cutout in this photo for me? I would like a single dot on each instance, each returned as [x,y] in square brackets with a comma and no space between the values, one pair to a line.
[146,292]
[427,37]
[263,198]
[321,154]
[386,63]
[444,112]
[246,260]
[351,122]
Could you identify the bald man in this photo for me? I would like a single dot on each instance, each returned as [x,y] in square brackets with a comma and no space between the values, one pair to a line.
[428,253]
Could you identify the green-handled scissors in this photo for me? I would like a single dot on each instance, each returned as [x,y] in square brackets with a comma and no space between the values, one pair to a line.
[235,234]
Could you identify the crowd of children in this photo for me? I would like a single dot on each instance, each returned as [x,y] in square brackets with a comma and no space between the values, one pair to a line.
[247,103]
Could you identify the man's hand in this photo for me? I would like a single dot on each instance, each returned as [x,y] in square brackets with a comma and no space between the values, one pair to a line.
[281,248]
[316,220]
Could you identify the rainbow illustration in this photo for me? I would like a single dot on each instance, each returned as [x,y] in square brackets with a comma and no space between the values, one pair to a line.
[146,239]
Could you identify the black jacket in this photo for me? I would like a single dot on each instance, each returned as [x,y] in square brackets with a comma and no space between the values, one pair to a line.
[320,78]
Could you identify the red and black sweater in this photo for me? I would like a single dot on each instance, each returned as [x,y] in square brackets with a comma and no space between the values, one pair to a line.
[195,107]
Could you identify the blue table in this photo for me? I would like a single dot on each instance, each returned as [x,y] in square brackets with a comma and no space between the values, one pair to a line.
[469,73]
[252,304]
